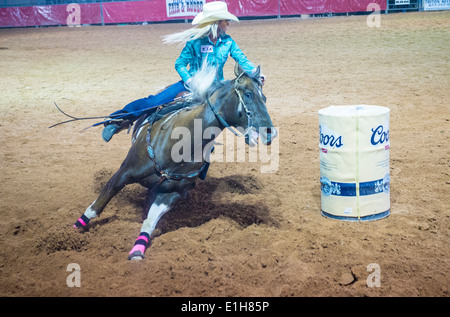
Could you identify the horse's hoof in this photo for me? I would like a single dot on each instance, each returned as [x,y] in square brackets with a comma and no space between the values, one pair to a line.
[78,228]
[136,256]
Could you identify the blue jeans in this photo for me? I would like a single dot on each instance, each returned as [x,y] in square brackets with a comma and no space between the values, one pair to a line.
[136,108]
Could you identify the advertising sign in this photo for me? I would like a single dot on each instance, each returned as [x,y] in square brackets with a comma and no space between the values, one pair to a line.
[183,8]
[401,2]
[436,5]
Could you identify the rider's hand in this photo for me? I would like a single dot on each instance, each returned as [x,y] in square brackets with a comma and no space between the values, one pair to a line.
[262,78]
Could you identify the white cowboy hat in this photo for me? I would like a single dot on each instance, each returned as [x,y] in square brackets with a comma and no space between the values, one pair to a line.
[214,11]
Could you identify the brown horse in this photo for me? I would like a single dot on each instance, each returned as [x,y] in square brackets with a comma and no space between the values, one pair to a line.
[168,166]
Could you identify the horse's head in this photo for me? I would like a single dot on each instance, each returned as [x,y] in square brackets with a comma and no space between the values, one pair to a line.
[251,111]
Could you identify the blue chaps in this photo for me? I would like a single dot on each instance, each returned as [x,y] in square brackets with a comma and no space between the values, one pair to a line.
[136,108]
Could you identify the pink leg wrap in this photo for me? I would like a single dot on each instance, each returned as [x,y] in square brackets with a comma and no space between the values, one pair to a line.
[142,238]
[81,222]
[141,243]
[138,247]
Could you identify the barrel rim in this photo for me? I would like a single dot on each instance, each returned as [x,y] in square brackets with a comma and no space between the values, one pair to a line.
[373,217]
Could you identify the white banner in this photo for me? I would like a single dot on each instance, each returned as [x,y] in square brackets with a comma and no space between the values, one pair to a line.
[436,5]
[183,8]
[401,2]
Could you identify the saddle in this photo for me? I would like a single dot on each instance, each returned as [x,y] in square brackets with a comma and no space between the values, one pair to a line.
[159,112]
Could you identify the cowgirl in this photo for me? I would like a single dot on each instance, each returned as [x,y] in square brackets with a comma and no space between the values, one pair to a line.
[206,41]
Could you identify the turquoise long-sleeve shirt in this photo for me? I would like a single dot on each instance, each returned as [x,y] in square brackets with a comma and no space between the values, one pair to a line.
[196,51]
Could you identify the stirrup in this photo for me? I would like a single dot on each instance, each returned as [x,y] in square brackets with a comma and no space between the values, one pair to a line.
[115,126]
[108,131]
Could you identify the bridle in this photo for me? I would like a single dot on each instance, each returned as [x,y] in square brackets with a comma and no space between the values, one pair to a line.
[241,106]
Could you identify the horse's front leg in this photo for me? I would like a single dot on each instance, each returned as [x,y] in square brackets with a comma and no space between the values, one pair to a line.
[135,166]
[163,202]
[121,178]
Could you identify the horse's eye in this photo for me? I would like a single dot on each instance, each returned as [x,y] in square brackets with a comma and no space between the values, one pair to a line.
[249,95]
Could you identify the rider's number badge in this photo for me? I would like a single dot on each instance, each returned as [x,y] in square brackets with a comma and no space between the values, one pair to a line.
[206,49]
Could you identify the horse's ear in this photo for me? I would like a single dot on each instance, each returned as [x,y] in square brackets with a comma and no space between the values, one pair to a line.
[238,70]
[257,72]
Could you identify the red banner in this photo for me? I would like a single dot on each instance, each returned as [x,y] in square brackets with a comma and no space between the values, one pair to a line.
[245,8]
[295,7]
[157,10]
[50,15]
[134,11]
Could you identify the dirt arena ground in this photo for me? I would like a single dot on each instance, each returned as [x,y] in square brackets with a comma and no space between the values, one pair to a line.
[240,232]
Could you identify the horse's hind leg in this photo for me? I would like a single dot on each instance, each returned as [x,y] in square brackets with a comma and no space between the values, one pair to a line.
[115,184]
[160,206]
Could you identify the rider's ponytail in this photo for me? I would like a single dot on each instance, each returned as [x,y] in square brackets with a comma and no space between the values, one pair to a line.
[199,31]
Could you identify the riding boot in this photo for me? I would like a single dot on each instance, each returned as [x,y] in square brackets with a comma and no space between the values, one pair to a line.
[114,126]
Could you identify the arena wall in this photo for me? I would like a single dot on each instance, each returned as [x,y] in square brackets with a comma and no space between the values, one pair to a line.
[164,10]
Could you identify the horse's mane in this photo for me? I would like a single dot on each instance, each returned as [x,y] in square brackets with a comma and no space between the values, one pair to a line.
[203,83]
[198,99]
